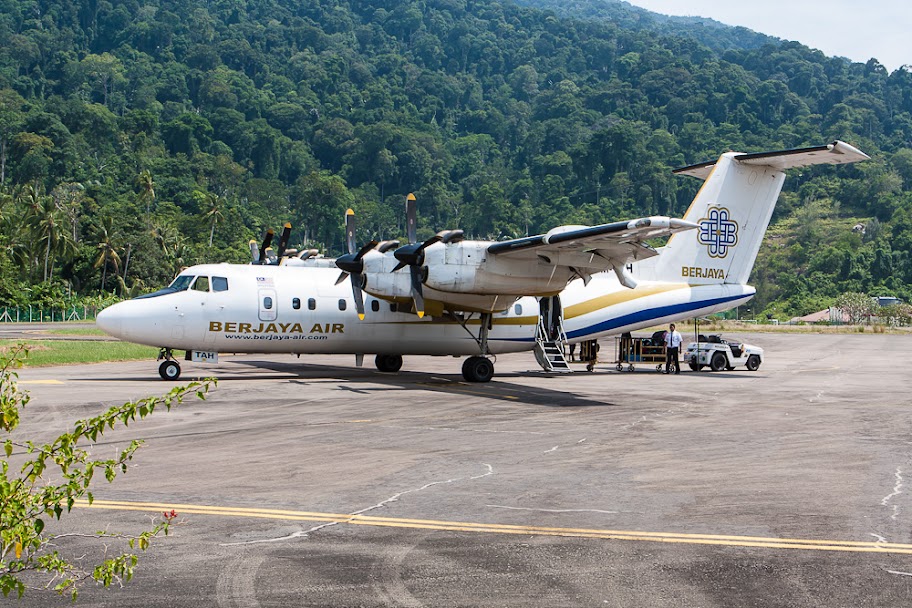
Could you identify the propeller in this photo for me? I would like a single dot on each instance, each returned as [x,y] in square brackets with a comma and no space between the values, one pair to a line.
[267,241]
[353,264]
[283,241]
[412,255]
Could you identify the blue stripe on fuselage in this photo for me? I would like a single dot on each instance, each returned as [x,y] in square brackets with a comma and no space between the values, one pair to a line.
[645,315]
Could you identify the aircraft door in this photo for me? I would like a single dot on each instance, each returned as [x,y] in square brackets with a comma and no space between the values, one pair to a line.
[268,304]
[551,317]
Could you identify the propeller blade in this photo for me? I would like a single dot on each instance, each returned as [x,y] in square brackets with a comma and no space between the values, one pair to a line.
[413,254]
[283,241]
[267,241]
[363,251]
[417,293]
[254,252]
[342,277]
[411,217]
[434,239]
[350,230]
[357,280]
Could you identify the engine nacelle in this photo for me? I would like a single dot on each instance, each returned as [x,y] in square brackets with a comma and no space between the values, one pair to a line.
[381,282]
[466,267]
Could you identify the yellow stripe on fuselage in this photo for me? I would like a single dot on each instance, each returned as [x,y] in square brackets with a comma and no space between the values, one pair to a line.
[619,297]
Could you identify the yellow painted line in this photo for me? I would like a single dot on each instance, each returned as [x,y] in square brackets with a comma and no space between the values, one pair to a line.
[39,382]
[455,526]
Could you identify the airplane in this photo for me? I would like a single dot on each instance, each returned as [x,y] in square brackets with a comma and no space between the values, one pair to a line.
[456,297]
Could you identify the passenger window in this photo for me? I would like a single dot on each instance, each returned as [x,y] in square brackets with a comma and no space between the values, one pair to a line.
[342,305]
[267,303]
[296,303]
[375,305]
[518,309]
[311,304]
[219,284]
[202,284]
[393,307]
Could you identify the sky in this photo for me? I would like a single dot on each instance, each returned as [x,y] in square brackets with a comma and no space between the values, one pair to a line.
[855,29]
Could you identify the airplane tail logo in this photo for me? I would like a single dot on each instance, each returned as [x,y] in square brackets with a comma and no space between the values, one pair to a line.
[718,232]
[733,209]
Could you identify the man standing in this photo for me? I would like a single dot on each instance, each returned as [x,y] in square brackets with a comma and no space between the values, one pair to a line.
[672,345]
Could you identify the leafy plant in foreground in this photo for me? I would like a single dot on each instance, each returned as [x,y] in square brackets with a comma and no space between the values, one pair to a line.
[52,478]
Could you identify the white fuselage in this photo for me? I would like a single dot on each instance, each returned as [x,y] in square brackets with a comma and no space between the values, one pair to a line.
[275,309]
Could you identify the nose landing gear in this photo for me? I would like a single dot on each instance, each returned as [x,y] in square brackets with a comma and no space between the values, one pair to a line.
[170,368]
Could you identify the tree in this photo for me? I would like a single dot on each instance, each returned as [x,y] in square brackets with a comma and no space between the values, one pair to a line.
[11,119]
[213,206]
[47,230]
[146,189]
[50,481]
[108,250]
[857,306]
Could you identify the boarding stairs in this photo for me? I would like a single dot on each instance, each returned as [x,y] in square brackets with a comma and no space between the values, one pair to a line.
[549,352]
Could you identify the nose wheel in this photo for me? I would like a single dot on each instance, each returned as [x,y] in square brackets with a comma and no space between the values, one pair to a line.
[169,370]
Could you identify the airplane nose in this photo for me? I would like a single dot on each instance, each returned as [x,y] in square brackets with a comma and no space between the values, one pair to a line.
[110,320]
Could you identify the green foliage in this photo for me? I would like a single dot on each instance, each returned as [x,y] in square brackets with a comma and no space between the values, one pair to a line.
[53,478]
[859,307]
[193,127]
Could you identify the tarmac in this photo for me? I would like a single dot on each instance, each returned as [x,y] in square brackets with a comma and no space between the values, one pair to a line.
[310,482]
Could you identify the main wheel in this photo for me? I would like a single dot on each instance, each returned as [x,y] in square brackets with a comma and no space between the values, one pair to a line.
[478,369]
[169,370]
[753,363]
[718,362]
[388,363]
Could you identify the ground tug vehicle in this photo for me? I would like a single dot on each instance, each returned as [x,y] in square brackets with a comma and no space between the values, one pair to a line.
[718,354]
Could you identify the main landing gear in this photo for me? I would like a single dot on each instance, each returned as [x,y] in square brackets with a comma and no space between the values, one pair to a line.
[388,363]
[478,368]
[170,369]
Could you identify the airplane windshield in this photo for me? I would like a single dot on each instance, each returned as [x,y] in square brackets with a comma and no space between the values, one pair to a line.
[181,283]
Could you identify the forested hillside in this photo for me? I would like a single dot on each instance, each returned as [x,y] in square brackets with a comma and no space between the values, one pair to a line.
[137,137]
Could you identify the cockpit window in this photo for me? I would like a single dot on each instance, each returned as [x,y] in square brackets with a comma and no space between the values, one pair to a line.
[201,284]
[219,284]
[181,283]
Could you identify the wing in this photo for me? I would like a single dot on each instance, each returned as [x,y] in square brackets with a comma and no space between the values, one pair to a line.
[590,249]
[620,241]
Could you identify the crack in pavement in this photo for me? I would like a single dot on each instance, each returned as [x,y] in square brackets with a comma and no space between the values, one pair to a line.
[379,505]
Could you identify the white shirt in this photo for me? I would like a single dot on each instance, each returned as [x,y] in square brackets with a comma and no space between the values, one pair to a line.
[673,339]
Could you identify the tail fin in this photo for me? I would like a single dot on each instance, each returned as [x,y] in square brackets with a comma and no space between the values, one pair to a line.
[733,209]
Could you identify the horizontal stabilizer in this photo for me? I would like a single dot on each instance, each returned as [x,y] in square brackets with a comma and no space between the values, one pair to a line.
[836,153]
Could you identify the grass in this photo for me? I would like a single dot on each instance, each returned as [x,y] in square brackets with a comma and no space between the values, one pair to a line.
[65,352]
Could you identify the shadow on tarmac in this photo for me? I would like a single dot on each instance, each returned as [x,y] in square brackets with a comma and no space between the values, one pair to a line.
[366,381]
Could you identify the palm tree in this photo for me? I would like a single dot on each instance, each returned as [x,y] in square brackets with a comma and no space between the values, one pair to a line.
[44,225]
[146,189]
[107,249]
[214,204]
